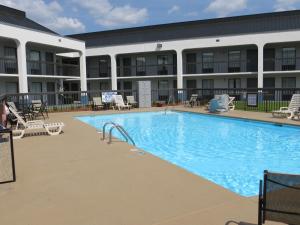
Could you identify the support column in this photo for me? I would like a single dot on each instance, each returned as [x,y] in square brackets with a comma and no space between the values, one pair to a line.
[83,82]
[179,69]
[114,82]
[22,67]
[260,66]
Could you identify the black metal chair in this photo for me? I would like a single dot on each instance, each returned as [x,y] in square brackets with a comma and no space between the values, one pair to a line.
[279,198]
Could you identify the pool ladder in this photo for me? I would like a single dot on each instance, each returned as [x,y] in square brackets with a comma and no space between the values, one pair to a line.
[122,131]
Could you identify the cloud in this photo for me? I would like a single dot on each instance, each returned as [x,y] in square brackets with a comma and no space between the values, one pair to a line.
[173,9]
[283,5]
[109,15]
[224,8]
[49,14]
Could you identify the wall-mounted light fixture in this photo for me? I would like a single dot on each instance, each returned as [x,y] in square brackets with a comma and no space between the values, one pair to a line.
[217,40]
[158,46]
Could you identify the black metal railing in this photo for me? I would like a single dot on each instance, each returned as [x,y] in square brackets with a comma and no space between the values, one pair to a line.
[220,67]
[51,68]
[96,72]
[147,70]
[266,99]
[8,66]
[64,101]
[281,64]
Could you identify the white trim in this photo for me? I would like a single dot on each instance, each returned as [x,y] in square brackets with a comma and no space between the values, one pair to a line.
[147,77]
[219,74]
[99,78]
[8,75]
[53,76]
[282,72]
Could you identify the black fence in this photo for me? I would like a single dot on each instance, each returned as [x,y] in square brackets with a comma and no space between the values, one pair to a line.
[263,100]
[7,162]
[64,101]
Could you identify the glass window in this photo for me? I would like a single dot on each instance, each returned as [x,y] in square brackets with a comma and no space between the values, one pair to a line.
[141,66]
[127,67]
[34,55]
[208,62]
[162,61]
[163,90]
[10,61]
[34,65]
[234,83]
[208,84]
[288,58]
[103,67]
[289,82]
[191,65]
[234,61]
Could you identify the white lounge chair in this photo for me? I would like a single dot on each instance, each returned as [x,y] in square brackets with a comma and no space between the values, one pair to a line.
[131,101]
[231,105]
[193,101]
[97,103]
[35,125]
[118,99]
[291,111]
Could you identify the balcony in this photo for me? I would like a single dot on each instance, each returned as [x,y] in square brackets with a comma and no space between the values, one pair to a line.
[8,66]
[52,69]
[96,72]
[220,67]
[147,70]
[281,64]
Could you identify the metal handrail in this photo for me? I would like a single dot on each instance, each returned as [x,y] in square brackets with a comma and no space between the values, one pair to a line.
[122,131]
[119,128]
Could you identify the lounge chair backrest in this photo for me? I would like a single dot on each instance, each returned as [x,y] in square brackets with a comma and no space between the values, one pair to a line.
[130,99]
[12,105]
[16,114]
[119,100]
[294,103]
[97,101]
[281,198]
[194,97]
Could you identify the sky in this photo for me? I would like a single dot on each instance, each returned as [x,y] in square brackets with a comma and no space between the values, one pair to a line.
[79,16]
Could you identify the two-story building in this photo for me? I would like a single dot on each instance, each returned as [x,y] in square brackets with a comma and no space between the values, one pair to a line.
[35,59]
[252,51]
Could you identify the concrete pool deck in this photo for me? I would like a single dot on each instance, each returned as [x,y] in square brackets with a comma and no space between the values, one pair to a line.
[78,179]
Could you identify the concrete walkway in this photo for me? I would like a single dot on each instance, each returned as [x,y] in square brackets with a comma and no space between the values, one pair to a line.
[77,179]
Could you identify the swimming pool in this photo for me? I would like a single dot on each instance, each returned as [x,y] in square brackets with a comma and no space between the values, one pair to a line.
[229,152]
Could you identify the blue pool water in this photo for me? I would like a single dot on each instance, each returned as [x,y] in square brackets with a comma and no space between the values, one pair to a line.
[229,152]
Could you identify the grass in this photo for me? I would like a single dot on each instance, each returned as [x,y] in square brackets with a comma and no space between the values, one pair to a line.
[265,106]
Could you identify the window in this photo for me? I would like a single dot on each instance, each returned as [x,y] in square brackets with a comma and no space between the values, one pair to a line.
[127,85]
[127,67]
[103,68]
[10,60]
[34,64]
[49,63]
[234,61]
[163,90]
[191,85]
[104,86]
[288,83]
[191,65]
[11,87]
[208,84]
[269,82]
[234,83]
[288,58]
[162,62]
[252,82]
[208,62]
[141,66]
